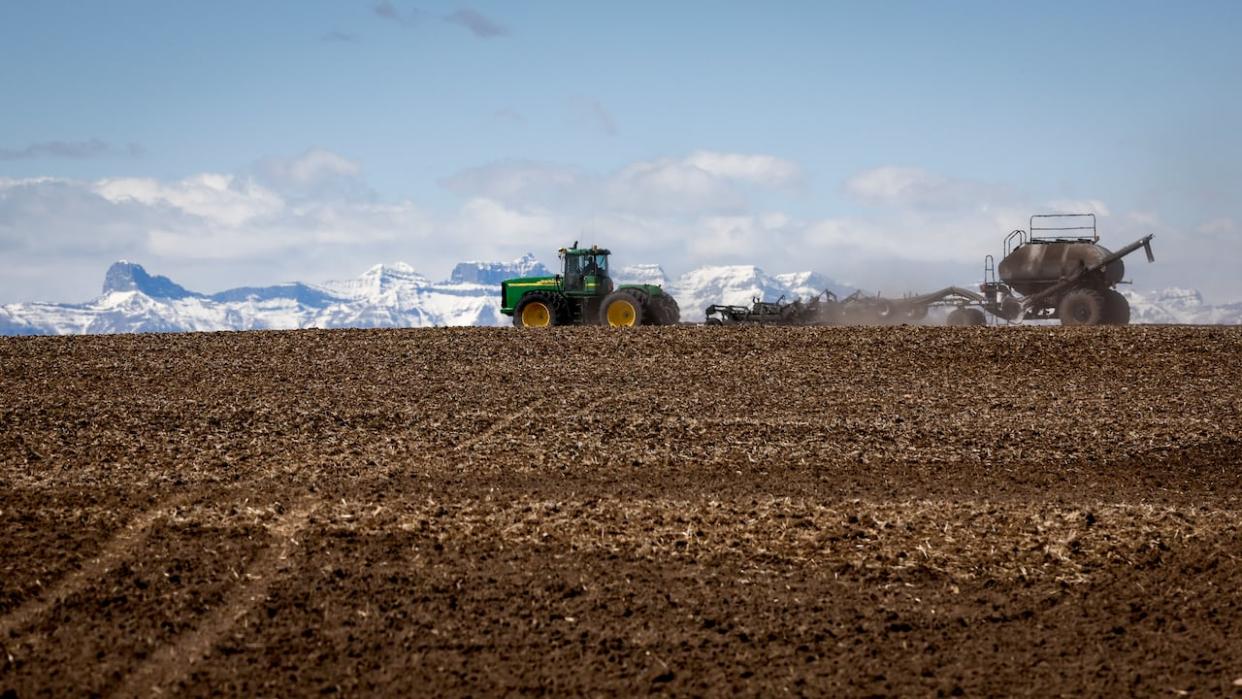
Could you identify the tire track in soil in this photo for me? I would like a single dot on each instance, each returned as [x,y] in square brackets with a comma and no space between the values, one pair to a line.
[499,425]
[114,552]
[391,470]
[169,663]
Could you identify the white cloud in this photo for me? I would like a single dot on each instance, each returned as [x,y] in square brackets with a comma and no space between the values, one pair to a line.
[223,199]
[767,170]
[669,186]
[310,168]
[919,189]
[315,173]
[493,222]
[704,181]
[1223,226]
[522,181]
[1077,206]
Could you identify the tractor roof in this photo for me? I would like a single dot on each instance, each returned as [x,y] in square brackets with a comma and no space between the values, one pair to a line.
[593,250]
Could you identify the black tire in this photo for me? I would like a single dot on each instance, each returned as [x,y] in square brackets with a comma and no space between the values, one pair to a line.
[966,317]
[1083,307]
[665,310]
[714,321]
[557,309]
[915,312]
[1011,309]
[624,308]
[1117,308]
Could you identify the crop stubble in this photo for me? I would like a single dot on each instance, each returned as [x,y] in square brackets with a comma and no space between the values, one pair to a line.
[859,510]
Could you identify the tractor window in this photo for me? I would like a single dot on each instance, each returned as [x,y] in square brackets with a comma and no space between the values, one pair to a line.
[574,270]
[579,267]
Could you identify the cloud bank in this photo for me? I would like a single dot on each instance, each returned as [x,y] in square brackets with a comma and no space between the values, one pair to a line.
[311,216]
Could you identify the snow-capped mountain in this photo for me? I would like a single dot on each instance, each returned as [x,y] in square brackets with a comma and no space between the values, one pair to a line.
[641,274]
[739,284]
[1175,305]
[383,296]
[805,285]
[397,296]
[493,273]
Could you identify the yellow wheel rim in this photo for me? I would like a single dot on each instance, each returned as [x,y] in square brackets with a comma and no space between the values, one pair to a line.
[536,315]
[621,313]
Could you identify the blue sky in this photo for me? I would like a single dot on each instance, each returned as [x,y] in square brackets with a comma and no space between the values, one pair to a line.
[886,143]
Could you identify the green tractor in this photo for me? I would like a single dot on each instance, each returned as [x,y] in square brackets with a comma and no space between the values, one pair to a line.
[583,294]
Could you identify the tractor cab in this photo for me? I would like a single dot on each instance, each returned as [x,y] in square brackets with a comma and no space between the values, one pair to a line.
[585,271]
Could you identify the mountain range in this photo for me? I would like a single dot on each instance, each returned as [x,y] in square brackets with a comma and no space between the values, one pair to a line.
[385,296]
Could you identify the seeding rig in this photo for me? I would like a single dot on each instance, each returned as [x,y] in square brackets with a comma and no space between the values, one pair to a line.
[1052,270]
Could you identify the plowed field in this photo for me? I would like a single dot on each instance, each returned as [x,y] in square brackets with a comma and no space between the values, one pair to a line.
[860,511]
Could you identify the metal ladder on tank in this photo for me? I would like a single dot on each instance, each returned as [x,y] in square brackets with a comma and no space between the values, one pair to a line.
[989,271]
[1018,235]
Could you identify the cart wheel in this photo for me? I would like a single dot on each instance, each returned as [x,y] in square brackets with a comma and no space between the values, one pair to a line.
[1083,307]
[1116,308]
[966,317]
[1011,309]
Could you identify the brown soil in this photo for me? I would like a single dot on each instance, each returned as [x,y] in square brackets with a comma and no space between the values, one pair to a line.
[859,511]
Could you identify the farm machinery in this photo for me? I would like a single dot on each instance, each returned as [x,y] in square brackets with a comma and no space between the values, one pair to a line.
[584,294]
[1053,270]
[823,309]
[856,309]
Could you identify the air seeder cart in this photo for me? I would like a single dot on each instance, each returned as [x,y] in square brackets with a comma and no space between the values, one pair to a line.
[1051,271]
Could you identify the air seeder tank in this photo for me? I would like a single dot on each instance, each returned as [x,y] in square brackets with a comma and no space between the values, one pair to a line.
[1038,264]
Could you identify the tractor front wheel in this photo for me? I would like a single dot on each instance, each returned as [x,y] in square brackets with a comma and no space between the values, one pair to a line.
[538,311]
[621,309]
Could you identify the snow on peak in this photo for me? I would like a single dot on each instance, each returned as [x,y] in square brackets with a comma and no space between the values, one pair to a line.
[730,284]
[1178,296]
[641,274]
[493,273]
[396,269]
[806,285]
[395,282]
[1177,305]
[729,277]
